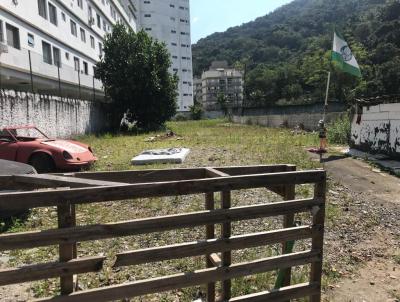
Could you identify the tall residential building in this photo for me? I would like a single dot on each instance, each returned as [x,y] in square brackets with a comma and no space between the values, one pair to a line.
[55,44]
[169,21]
[221,79]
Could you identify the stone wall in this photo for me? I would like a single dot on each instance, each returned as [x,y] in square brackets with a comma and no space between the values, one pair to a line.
[57,117]
[376,129]
[290,116]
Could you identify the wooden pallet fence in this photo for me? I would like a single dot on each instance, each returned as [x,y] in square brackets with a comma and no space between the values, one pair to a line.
[97,187]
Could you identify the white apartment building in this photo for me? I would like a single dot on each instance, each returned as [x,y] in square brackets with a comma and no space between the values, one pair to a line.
[169,21]
[55,44]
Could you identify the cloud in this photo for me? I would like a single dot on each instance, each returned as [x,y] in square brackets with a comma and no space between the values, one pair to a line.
[195,19]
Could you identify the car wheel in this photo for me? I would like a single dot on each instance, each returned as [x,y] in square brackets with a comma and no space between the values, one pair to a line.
[43,163]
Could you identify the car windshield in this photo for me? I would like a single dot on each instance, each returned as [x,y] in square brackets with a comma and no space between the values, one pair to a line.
[23,133]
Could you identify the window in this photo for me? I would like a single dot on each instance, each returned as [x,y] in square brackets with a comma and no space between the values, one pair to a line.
[73,29]
[147,15]
[31,40]
[85,67]
[83,35]
[42,8]
[52,14]
[98,21]
[104,25]
[46,53]
[63,17]
[1,31]
[57,56]
[76,64]
[80,3]
[100,49]
[92,42]
[67,55]
[13,36]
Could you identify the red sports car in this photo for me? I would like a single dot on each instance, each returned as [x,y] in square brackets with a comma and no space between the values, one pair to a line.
[29,145]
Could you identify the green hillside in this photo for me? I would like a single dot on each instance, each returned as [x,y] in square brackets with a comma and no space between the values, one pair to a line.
[287,52]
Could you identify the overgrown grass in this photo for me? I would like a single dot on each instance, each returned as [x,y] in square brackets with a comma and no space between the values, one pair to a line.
[339,131]
[212,143]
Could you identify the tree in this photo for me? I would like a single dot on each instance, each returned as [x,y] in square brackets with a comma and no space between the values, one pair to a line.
[196,111]
[134,72]
[223,102]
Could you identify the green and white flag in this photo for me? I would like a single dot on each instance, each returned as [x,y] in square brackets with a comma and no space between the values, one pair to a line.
[343,56]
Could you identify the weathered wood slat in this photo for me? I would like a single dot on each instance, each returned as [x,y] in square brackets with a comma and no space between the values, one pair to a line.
[50,270]
[142,176]
[226,256]
[212,172]
[318,238]
[24,200]
[210,234]
[246,170]
[215,260]
[210,246]
[48,180]
[149,225]
[188,279]
[281,295]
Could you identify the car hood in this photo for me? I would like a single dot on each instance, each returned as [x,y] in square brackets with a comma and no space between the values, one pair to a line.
[68,146]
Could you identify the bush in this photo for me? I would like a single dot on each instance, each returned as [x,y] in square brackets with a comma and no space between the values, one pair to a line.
[196,111]
[339,131]
[180,118]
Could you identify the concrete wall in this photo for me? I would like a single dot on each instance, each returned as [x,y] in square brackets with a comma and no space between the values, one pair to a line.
[308,120]
[290,116]
[55,116]
[377,130]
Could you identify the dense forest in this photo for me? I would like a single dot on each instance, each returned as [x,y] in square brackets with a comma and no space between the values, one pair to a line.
[286,54]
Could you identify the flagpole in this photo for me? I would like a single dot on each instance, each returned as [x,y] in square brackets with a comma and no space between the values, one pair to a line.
[327,95]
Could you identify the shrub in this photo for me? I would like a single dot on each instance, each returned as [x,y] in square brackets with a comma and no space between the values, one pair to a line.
[339,131]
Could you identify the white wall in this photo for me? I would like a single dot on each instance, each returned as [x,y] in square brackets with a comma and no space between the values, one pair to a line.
[55,116]
[378,129]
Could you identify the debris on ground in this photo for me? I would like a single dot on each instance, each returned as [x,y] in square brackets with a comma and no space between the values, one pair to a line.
[168,135]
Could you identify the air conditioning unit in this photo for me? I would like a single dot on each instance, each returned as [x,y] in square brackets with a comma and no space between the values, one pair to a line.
[3,48]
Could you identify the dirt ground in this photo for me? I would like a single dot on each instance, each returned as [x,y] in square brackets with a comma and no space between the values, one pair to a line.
[375,199]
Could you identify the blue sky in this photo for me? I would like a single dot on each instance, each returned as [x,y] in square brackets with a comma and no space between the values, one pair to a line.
[209,16]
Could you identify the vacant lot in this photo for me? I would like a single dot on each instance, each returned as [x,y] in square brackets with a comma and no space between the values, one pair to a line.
[213,143]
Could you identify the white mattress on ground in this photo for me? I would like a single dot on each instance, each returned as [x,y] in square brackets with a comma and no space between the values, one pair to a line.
[161,156]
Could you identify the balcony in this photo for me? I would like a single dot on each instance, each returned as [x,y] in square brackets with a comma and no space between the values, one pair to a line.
[26,70]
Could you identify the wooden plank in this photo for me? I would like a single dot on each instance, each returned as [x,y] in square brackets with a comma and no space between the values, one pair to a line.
[148,225]
[48,180]
[257,169]
[281,295]
[288,222]
[210,234]
[215,260]
[212,172]
[50,270]
[211,246]
[318,238]
[143,176]
[65,214]
[23,200]
[226,257]
[187,279]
